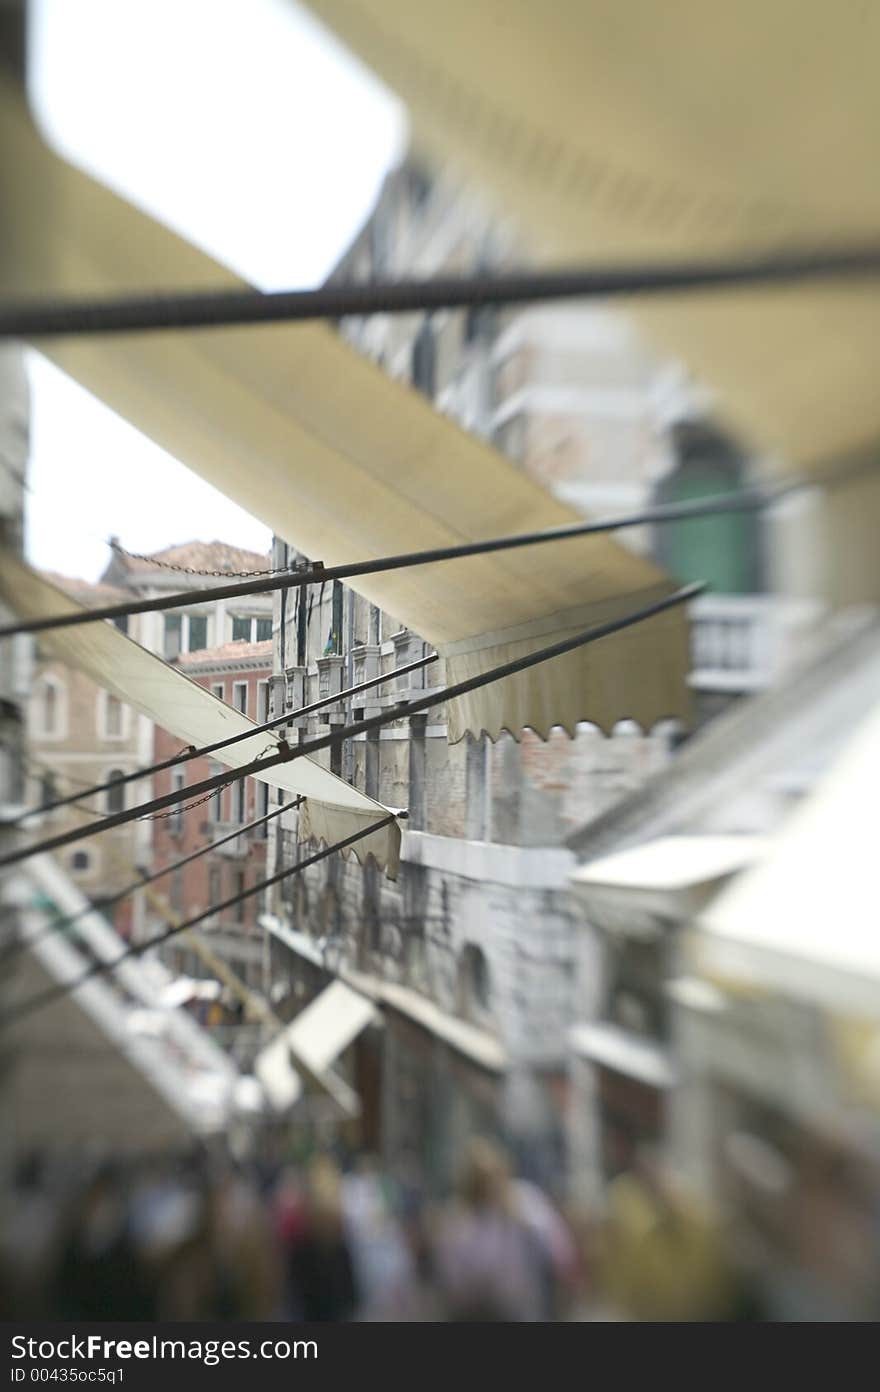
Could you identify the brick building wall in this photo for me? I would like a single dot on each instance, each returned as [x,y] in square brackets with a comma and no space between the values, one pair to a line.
[80,736]
[237,673]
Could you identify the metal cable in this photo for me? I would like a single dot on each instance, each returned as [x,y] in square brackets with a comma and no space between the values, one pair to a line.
[436,698]
[34,1003]
[190,751]
[748,500]
[57,924]
[224,308]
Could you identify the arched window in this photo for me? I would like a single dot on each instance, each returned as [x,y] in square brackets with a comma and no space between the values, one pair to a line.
[112,724]
[475,991]
[115,794]
[50,708]
[725,549]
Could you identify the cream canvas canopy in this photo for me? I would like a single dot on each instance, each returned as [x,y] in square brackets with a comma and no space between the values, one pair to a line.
[805,922]
[307,1048]
[640,131]
[333,810]
[343,462]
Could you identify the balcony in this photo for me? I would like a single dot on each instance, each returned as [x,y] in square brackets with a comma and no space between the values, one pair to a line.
[408,647]
[742,643]
[288,691]
[238,847]
[365,665]
[329,684]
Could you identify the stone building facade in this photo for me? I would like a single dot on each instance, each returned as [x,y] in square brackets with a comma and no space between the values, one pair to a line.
[476,942]
[470,951]
[758,1090]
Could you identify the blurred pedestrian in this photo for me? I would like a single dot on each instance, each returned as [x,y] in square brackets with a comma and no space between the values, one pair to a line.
[320,1264]
[370,1210]
[98,1275]
[663,1255]
[490,1265]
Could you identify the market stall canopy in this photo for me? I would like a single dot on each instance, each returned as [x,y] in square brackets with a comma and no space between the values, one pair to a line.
[333,810]
[311,1044]
[343,462]
[805,922]
[645,132]
[624,1053]
[671,877]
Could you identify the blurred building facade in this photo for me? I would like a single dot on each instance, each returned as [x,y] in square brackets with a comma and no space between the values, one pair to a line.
[237,673]
[79,736]
[109,1067]
[760,1093]
[473,949]
[195,565]
[15,664]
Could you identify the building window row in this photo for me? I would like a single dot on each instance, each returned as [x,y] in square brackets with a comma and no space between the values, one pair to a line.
[248,629]
[50,712]
[184,633]
[241,699]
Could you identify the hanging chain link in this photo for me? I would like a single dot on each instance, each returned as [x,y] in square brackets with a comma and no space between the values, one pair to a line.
[180,808]
[193,570]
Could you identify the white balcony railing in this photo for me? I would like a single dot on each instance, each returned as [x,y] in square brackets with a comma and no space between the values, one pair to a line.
[330,682]
[744,642]
[238,847]
[366,666]
[408,647]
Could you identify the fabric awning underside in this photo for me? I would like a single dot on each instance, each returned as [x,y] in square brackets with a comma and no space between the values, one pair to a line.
[645,132]
[333,810]
[312,1043]
[344,463]
[804,922]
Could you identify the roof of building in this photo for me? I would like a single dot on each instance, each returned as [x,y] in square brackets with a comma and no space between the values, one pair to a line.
[228,652]
[200,555]
[88,592]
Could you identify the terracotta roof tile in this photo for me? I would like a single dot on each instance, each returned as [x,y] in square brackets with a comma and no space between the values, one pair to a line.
[87,592]
[202,555]
[228,652]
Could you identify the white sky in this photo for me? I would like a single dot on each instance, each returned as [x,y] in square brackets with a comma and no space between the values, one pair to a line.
[247,129]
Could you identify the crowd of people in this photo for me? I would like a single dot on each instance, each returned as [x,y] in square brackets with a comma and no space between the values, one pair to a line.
[204,1239]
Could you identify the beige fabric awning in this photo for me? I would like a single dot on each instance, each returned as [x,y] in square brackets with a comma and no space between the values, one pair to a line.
[618,132]
[673,876]
[805,922]
[342,462]
[334,809]
[312,1043]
